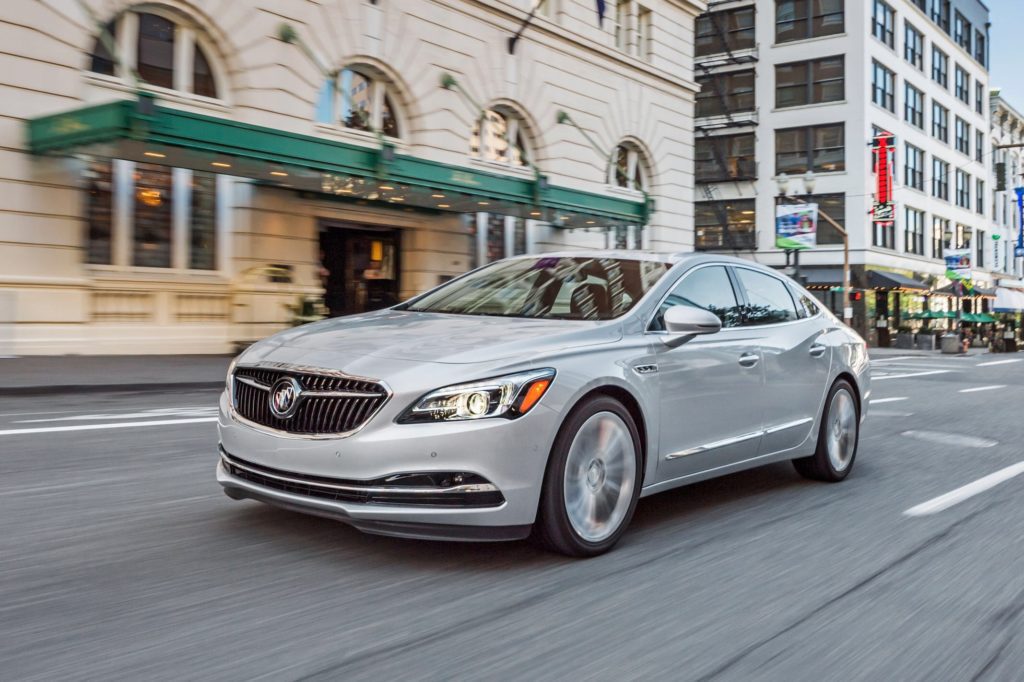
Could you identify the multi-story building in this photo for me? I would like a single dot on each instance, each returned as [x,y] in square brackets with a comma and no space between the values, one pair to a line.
[1008,174]
[178,174]
[792,86]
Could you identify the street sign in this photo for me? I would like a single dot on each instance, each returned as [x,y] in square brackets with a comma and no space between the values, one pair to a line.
[796,226]
[1018,252]
[883,213]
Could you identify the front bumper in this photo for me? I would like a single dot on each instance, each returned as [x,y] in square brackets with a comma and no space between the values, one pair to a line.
[353,479]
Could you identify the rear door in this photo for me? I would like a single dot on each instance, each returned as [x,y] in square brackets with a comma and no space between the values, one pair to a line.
[797,360]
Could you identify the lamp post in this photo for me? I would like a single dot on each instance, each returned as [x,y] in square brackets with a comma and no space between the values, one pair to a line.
[782,180]
[947,234]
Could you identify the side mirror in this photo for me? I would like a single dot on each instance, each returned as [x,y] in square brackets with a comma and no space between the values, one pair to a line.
[684,322]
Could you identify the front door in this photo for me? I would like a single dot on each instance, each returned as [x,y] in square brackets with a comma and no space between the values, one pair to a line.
[711,388]
[359,268]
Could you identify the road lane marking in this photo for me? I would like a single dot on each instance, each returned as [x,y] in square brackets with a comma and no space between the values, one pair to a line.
[955,439]
[98,427]
[965,492]
[997,362]
[204,411]
[912,374]
[896,359]
[877,401]
[982,388]
[44,489]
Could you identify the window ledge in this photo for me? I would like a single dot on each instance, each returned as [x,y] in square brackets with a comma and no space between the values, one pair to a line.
[813,105]
[119,85]
[136,273]
[363,138]
[804,41]
[625,193]
[497,166]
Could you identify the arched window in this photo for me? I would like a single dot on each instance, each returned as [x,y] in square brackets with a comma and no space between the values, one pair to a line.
[503,138]
[359,99]
[164,51]
[629,167]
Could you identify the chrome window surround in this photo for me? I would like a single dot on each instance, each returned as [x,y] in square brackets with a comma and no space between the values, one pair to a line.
[305,369]
[789,288]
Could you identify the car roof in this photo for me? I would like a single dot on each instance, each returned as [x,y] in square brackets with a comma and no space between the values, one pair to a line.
[669,257]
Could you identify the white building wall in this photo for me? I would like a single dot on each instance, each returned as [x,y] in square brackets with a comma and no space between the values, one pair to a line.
[52,302]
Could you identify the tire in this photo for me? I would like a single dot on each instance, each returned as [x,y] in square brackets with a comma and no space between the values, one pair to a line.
[589,493]
[838,436]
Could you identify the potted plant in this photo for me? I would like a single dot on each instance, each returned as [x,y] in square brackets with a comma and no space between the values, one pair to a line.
[905,337]
[925,339]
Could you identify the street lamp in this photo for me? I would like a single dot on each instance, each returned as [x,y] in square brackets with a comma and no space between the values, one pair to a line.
[782,181]
[948,235]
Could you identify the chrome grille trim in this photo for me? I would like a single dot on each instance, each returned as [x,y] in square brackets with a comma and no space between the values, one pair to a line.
[330,398]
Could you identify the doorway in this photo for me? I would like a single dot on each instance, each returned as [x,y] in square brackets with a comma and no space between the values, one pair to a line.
[359,268]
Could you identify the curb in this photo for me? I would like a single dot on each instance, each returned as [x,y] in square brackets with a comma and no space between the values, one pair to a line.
[148,387]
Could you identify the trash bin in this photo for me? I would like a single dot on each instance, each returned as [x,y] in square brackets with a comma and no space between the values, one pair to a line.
[951,344]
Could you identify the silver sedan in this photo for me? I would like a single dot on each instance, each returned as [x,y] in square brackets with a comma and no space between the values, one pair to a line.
[543,396]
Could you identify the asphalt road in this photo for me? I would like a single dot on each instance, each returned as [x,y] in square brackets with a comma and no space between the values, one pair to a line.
[121,559]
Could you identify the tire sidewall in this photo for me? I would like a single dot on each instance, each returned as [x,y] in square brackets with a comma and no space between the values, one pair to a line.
[552,516]
[825,460]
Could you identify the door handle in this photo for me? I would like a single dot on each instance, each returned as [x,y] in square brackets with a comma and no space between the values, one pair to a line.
[748,359]
[817,350]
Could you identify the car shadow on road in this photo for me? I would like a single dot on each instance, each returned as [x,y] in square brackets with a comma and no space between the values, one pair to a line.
[663,514]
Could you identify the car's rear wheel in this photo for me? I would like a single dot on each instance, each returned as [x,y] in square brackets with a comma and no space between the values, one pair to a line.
[592,481]
[837,437]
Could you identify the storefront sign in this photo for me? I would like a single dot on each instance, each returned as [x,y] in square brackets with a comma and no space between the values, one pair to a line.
[958,264]
[883,210]
[796,226]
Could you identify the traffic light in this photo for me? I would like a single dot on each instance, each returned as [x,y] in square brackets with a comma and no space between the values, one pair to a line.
[856,295]
[1001,176]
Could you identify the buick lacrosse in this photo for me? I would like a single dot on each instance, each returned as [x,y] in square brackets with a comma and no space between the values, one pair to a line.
[543,396]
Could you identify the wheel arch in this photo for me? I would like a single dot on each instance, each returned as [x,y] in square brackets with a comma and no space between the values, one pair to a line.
[849,378]
[632,405]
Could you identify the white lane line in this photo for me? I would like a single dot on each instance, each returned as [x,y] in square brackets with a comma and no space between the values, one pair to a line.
[968,491]
[996,362]
[98,427]
[982,388]
[875,361]
[44,489]
[912,374]
[878,401]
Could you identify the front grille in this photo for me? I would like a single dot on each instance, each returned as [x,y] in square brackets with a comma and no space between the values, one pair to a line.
[317,413]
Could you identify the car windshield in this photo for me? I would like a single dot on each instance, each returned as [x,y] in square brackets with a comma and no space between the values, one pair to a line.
[552,287]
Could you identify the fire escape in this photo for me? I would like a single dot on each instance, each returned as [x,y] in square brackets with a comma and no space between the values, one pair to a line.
[709,187]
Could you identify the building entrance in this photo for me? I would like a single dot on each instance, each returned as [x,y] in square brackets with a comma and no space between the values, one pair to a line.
[359,268]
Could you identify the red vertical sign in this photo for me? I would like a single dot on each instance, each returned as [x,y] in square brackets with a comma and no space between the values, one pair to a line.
[884,153]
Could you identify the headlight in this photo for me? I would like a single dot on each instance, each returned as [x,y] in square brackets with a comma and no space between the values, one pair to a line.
[509,396]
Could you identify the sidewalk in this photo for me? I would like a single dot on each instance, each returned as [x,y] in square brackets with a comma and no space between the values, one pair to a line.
[43,375]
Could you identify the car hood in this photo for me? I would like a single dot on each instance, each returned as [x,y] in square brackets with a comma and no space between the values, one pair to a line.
[436,337]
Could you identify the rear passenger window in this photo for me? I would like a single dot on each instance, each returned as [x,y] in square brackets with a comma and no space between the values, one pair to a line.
[708,288]
[806,305]
[768,298]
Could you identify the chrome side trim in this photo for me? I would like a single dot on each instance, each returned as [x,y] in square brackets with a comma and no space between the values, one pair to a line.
[715,445]
[738,439]
[469,488]
[788,425]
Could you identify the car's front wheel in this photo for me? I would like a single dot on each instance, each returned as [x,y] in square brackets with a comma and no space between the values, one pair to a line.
[592,481]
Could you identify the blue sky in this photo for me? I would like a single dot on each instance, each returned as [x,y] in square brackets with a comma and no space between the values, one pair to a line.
[1007,68]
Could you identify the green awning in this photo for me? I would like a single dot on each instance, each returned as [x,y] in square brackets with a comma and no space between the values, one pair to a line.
[141,130]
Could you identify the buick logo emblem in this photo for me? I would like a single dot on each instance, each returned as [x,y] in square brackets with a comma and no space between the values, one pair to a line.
[284,397]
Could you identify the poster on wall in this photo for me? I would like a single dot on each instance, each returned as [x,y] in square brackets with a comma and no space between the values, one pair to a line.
[958,264]
[796,226]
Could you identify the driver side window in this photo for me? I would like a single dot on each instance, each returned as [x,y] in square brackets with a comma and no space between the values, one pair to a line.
[707,288]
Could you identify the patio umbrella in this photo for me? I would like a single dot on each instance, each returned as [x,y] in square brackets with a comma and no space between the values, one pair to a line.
[984,318]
